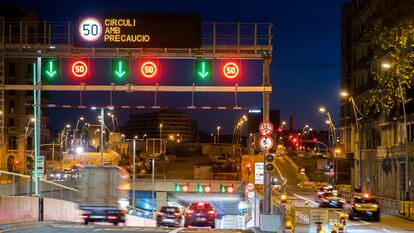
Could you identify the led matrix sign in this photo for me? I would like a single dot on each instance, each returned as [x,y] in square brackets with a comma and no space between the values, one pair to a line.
[138,30]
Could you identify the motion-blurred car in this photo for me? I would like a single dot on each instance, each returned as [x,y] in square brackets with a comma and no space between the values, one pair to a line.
[331,200]
[169,216]
[324,190]
[364,207]
[200,214]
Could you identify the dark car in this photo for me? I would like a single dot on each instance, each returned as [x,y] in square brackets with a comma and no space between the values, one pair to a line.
[200,214]
[331,200]
[364,207]
[102,214]
[169,216]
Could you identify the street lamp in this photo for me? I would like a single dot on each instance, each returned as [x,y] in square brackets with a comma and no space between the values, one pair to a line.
[332,133]
[218,134]
[387,66]
[76,129]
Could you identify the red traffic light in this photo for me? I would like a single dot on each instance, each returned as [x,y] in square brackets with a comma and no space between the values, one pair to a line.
[279,130]
[294,140]
[315,139]
[248,165]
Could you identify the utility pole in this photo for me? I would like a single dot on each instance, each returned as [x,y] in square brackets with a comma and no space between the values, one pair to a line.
[266,106]
[102,135]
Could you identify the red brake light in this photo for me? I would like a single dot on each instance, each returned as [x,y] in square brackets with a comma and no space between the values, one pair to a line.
[112,217]
[84,216]
[177,214]
[211,212]
[200,204]
[160,213]
[190,211]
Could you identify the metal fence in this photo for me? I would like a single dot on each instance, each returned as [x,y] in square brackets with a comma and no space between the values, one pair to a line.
[15,184]
[390,206]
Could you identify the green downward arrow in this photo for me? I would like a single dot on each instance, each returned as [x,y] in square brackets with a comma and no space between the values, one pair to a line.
[120,72]
[51,72]
[203,72]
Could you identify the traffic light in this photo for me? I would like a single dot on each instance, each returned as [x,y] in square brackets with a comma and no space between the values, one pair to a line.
[203,69]
[315,139]
[269,163]
[29,162]
[248,167]
[50,69]
[79,68]
[120,69]
[227,188]
[182,188]
[204,188]
[283,198]
[279,130]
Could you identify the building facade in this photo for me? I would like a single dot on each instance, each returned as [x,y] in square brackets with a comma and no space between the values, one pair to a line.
[375,141]
[168,124]
[16,112]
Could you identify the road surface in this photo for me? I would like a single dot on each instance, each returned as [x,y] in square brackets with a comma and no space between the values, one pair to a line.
[77,228]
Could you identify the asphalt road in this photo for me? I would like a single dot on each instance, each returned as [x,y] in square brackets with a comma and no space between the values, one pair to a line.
[77,228]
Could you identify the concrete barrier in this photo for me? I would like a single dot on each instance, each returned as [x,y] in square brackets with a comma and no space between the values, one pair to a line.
[135,221]
[15,209]
[18,209]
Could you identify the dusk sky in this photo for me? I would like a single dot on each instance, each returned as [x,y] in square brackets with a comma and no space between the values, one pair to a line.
[305,68]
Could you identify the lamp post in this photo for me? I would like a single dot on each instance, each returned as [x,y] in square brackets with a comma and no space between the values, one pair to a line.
[332,130]
[218,134]
[64,136]
[388,66]
[357,133]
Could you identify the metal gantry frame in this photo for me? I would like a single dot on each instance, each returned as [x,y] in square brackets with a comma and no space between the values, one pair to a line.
[219,41]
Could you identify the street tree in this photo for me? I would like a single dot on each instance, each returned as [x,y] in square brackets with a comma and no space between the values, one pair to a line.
[390,36]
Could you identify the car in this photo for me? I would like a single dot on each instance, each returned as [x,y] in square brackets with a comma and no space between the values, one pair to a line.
[364,207]
[320,192]
[169,216]
[102,214]
[200,214]
[331,200]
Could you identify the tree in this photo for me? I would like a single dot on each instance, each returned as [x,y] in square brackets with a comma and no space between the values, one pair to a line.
[390,36]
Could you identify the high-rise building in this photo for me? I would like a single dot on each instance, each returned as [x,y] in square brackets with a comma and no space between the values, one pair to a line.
[16,112]
[167,124]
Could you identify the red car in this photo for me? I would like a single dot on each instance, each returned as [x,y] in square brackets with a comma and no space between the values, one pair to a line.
[200,214]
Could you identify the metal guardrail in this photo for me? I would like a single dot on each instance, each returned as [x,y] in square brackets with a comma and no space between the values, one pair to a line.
[390,206]
[19,185]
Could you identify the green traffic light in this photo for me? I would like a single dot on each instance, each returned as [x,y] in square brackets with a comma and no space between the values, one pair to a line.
[203,69]
[120,69]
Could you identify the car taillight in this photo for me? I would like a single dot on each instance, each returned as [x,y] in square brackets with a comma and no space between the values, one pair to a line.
[177,214]
[190,211]
[111,217]
[342,200]
[320,193]
[375,205]
[200,204]
[325,200]
[160,213]
[357,205]
[84,216]
[211,212]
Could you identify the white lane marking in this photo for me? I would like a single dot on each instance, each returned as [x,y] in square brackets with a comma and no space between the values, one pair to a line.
[304,198]
[176,230]
[97,229]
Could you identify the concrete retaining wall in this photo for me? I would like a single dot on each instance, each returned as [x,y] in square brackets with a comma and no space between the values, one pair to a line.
[23,209]
[131,220]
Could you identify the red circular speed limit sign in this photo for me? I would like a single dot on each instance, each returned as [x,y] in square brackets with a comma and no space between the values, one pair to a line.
[79,69]
[149,69]
[231,70]
[266,128]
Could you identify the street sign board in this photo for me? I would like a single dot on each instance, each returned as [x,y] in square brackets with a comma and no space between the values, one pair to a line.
[259,173]
[318,218]
[41,166]
[266,142]
[137,31]
[266,128]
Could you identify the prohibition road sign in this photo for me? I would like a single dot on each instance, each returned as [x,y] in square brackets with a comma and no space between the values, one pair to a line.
[250,186]
[265,128]
[266,142]
[250,194]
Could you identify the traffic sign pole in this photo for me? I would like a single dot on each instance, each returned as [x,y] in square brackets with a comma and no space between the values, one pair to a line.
[37,72]
[266,108]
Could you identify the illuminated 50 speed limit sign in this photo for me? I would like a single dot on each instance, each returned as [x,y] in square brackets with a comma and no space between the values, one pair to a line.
[90,29]
[231,70]
[149,69]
